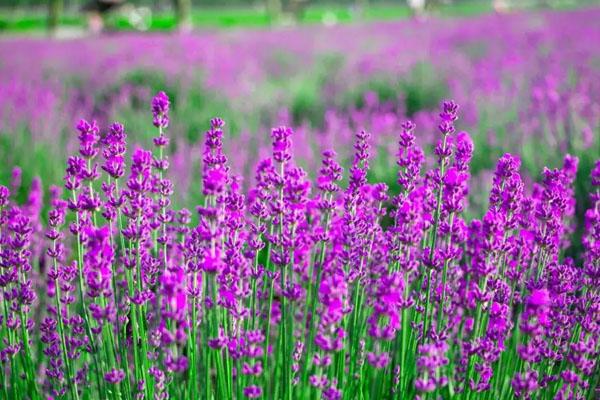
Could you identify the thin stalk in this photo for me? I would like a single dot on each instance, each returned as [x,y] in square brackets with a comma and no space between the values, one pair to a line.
[313,307]
[72,383]
[436,220]
[476,331]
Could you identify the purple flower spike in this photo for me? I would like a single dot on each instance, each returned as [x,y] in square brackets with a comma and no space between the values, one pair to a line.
[282,144]
[253,392]
[89,136]
[114,376]
[160,110]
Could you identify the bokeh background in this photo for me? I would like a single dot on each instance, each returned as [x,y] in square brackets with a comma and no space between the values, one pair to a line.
[525,73]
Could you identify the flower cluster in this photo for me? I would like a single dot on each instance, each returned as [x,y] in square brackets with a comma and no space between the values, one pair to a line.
[332,289]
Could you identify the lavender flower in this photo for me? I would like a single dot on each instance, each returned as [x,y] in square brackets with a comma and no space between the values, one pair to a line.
[278,291]
[160,110]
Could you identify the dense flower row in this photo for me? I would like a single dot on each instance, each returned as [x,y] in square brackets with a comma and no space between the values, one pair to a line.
[299,288]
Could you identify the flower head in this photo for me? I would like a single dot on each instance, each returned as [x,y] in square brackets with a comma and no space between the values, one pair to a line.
[160,110]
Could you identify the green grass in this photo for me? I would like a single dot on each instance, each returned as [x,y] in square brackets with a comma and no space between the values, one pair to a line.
[465,9]
[32,22]
[201,18]
[28,21]
[24,23]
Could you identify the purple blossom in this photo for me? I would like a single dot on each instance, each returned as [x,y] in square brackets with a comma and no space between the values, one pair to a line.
[160,110]
[356,286]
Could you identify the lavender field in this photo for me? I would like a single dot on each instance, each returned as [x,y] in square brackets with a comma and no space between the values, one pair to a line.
[384,210]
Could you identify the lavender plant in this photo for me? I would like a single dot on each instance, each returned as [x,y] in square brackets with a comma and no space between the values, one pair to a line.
[298,288]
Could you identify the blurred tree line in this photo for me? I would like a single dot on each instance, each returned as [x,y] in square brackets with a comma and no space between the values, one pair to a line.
[181,8]
[75,4]
[163,3]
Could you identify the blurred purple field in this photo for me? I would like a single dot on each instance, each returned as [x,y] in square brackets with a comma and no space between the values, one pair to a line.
[524,80]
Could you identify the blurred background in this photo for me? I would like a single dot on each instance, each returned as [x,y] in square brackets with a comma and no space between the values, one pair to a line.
[74,17]
[525,73]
